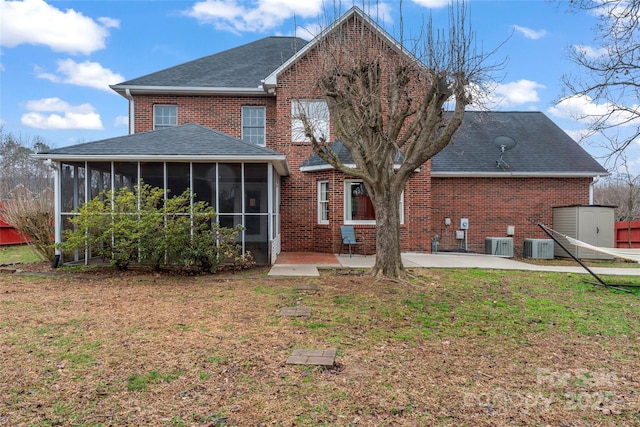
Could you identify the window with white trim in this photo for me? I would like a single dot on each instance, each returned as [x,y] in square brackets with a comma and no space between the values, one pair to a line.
[323,202]
[315,112]
[358,208]
[253,125]
[165,116]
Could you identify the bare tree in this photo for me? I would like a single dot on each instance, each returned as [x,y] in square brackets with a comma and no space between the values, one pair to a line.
[609,73]
[19,171]
[386,104]
[621,190]
[33,216]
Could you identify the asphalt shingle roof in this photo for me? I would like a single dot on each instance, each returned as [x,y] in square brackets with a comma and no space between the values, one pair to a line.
[185,140]
[542,147]
[343,154]
[241,67]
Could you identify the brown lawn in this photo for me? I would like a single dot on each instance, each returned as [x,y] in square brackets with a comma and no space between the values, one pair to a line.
[451,348]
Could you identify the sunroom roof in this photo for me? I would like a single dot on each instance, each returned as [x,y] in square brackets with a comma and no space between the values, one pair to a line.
[189,142]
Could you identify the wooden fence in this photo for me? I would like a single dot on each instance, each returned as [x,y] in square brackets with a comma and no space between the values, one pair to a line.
[624,230]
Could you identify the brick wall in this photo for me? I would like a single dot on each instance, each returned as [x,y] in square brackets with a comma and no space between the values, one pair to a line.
[299,191]
[222,113]
[491,204]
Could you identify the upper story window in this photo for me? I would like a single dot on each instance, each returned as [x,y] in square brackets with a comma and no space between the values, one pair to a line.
[165,116]
[315,112]
[253,125]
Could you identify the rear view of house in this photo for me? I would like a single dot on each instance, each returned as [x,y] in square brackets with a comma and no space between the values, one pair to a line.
[226,127]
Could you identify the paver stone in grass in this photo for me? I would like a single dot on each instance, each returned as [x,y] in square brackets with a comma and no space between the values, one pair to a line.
[312,357]
[299,311]
[307,287]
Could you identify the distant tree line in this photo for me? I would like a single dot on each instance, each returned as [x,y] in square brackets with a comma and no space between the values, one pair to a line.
[19,171]
[622,190]
[26,191]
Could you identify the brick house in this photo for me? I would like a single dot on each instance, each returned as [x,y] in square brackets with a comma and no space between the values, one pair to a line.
[225,126]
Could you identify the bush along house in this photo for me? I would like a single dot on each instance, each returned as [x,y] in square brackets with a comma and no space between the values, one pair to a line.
[225,126]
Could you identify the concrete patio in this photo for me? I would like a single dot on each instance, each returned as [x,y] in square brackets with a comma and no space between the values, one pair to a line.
[306,264]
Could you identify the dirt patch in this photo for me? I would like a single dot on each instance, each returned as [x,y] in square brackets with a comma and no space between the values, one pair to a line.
[154,349]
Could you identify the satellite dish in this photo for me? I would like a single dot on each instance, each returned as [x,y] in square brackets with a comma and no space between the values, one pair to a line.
[503,143]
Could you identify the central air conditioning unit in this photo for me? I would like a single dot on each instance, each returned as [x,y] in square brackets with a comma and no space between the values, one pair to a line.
[538,248]
[499,246]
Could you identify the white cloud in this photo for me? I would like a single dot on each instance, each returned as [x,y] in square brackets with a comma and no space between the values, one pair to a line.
[591,52]
[530,33]
[578,134]
[38,23]
[308,32]
[121,121]
[433,4]
[54,113]
[583,109]
[232,15]
[90,74]
[515,93]
[521,92]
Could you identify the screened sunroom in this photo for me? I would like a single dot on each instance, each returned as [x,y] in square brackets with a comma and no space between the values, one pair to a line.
[240,180]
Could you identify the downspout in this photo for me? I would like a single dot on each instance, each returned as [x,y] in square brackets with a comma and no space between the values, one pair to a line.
[57,222]
[593,183]
[132,123]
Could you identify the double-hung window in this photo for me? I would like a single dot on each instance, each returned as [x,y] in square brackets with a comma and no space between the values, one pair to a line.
[323,202]
[358,208]
[165,116]
[253,125]
[314,113]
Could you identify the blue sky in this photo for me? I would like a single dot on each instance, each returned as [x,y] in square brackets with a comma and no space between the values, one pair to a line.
[57,58]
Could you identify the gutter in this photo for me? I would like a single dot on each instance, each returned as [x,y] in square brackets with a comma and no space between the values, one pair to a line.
[185,90]
[279,161]
[505,174]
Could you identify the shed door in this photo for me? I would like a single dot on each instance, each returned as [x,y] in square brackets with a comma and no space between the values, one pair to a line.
[588,231]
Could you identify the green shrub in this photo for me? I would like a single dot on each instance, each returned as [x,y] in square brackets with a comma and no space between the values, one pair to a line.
[145,227]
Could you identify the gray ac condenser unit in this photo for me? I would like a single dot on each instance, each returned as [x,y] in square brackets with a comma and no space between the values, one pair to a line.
[538,248]
[499,246]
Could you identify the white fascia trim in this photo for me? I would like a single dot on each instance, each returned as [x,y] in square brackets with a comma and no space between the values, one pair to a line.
[325,167]
[271,80]
[515,174]
[317,168]
[279,162]
[182,90]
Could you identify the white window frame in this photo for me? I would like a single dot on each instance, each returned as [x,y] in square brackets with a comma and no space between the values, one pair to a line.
[323,202]
[317,112]
[157,125]
[246,108]
[347,205]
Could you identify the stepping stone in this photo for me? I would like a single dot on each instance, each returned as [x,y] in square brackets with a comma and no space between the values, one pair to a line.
[298,311]
[307,287]
[312,357]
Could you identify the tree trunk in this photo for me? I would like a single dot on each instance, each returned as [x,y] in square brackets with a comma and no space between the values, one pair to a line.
[388,260]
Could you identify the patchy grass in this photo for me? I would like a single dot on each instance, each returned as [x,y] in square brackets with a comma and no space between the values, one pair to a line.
[23,254]
[450,348]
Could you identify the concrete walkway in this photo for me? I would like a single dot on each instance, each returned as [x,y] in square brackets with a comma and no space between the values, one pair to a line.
[441,260]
